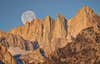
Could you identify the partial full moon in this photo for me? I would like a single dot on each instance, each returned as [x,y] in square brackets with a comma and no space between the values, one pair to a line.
[27,16]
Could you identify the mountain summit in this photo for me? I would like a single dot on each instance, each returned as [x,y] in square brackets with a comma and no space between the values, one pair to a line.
[86,10]
[39,40]
[85,18]
[45,31]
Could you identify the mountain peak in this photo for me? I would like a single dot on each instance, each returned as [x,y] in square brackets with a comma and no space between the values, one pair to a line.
[86,8]
[59,16]
[85,18]
[27,23]
[48,18]
[86,11]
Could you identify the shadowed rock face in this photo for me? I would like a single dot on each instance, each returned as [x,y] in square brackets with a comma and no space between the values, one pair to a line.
[85,49]
[57,41]
[5,56]
[34,57]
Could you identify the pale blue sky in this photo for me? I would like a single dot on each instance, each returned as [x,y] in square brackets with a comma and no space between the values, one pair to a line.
[11,10]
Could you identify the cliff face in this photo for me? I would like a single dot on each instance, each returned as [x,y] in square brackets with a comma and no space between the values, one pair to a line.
[13,41]
[60,27]
[5,56]
[10,40]
[56,38]
[46,32]
[41,29]
[85,18]
[84,49]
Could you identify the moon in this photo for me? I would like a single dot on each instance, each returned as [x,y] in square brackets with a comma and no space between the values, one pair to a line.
[27,16]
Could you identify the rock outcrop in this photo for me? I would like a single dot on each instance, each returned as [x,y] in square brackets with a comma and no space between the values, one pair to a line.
[59,41]
[60,27]
[11,40]
[85,18]
[85,49]
[34,57]
[5,56]
[45,31]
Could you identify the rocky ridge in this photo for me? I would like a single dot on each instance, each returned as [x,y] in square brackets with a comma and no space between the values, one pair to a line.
[85,18]
[53,41]
[5,56]
[84,49]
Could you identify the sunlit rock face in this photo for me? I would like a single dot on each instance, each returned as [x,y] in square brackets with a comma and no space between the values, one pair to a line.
[10,40]
[49,40]
[13,41]
[60,27]
[84,18]
[51,33]
[45,31]
[5,56]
